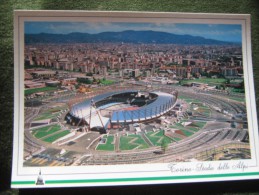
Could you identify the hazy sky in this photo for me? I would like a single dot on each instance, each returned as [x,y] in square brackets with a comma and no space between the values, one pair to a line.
[224,32]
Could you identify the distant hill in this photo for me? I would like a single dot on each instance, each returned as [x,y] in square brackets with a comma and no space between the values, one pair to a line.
[129,36]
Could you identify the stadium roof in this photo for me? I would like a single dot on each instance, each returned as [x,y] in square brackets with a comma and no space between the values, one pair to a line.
[82,109]
[162,104]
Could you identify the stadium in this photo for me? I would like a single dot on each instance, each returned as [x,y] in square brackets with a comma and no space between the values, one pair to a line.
[122,107]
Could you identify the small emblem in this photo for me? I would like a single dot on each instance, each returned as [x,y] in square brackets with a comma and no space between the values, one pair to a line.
[40,180]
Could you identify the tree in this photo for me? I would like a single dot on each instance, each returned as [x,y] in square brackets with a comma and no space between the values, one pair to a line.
[84,80]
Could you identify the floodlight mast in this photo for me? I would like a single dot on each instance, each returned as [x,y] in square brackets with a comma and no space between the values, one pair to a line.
[98,114]
[80,119]
[90,117]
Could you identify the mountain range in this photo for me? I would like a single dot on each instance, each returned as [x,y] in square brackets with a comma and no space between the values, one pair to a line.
[129,36]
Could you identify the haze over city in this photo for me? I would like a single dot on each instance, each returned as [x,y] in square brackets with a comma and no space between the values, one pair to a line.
[222,32]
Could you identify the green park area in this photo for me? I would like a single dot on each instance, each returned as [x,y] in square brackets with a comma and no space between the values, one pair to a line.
[56,136]
[131,142]
[107,82]
[189,129]
[38,90]
[108,145]
[209,81]
[44,131]
[189,100]
[187,133]
[177,139]
[158,137]
[95,81]
[49,133]
[197,107]
[50,113]
[203,110]
[199,124]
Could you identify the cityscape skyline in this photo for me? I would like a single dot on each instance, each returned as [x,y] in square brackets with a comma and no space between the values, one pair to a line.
[221,32]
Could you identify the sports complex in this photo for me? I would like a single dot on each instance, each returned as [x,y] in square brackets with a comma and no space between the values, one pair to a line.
[133,123]
[134,106]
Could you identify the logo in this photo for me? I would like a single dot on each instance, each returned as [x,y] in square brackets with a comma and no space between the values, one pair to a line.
[40,180]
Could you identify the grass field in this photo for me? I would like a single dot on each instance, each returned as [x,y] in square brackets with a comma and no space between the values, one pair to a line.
[185,129]
[204,110]
[49,133]
[50,113]
[209,81]
[107,82]
[157,137]
[44,131]
[177,139]
[38,90]
[53,138]
[187,133]
[200,124]
[108,145]
[189,100]
[46,115]
[194,127]
[131,142]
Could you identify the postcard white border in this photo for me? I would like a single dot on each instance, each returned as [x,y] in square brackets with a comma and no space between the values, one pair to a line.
[25,177]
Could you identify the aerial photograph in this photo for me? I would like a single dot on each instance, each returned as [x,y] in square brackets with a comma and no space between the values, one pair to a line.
[113,93]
